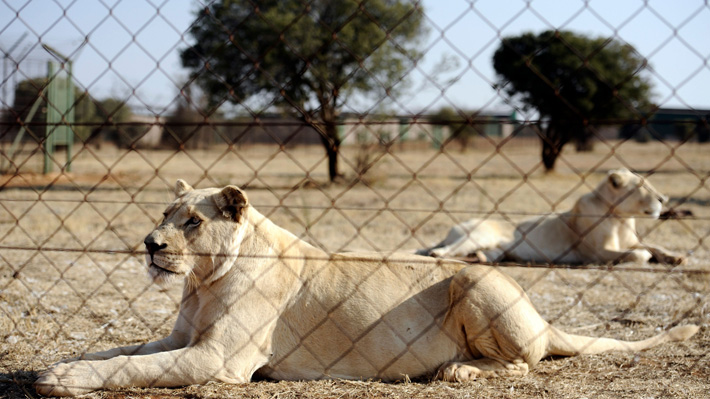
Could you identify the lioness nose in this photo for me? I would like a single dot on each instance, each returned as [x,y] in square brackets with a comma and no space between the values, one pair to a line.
[152,246]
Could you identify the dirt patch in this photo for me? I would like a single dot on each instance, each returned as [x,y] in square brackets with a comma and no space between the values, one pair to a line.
[72,278]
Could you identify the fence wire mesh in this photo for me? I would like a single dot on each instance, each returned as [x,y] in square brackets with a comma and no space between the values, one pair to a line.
[366,129]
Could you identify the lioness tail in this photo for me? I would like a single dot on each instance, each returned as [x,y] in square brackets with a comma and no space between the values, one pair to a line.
[564,344]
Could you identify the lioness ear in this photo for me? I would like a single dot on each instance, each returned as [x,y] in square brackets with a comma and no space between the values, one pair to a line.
[231,201]
[182,188]
[616,178]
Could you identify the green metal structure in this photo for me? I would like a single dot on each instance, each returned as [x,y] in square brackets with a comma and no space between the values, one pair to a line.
[60,114]
[59,94]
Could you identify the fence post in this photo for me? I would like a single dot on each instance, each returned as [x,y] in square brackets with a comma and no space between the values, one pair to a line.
[438,138]
[50,120]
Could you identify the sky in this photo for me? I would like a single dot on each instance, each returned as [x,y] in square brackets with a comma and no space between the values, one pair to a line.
[129,48]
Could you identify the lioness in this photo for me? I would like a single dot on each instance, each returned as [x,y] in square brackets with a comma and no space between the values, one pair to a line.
[600,228]
[257,299]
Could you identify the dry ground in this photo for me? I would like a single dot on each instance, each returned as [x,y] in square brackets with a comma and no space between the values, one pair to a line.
[71,281]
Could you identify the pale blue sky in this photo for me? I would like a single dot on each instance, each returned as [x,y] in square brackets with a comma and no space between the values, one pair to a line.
[132,49]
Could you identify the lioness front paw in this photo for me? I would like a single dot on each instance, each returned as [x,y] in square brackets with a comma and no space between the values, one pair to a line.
[67,379]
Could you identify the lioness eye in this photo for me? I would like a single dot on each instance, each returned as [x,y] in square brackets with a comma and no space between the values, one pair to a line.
[193,221]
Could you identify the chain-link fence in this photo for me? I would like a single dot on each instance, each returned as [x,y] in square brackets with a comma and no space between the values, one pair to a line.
[488,132]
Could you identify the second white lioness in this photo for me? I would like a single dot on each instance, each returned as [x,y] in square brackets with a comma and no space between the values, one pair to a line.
[600,228]
[258,300]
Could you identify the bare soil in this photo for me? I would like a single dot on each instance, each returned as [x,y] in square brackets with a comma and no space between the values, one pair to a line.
[72,278]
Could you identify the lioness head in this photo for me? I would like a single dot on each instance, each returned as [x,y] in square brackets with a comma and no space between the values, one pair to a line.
[198,230]
[631,195]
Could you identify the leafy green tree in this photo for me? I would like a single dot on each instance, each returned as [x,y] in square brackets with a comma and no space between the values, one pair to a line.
[574,82]
[310,56]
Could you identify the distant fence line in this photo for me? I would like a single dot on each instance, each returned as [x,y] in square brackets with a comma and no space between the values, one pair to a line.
[149,131]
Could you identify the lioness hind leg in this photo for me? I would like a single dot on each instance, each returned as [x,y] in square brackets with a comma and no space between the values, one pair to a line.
[504,333]
[480,368]
[461,247]
[491,255]
[666,257]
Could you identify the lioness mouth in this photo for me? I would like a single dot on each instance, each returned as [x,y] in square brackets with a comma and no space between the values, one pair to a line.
[162,268]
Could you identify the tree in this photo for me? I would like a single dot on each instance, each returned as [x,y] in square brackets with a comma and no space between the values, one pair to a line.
[574,82]
[311,56]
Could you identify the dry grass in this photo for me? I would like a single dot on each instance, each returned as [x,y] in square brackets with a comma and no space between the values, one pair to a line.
[86,291]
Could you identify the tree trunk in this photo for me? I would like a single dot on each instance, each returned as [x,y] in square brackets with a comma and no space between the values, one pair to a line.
[331,142]
[585,138]
[552,142]
[328,99]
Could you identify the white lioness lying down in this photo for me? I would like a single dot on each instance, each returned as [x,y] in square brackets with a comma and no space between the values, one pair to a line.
[600,228]
[257,299]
